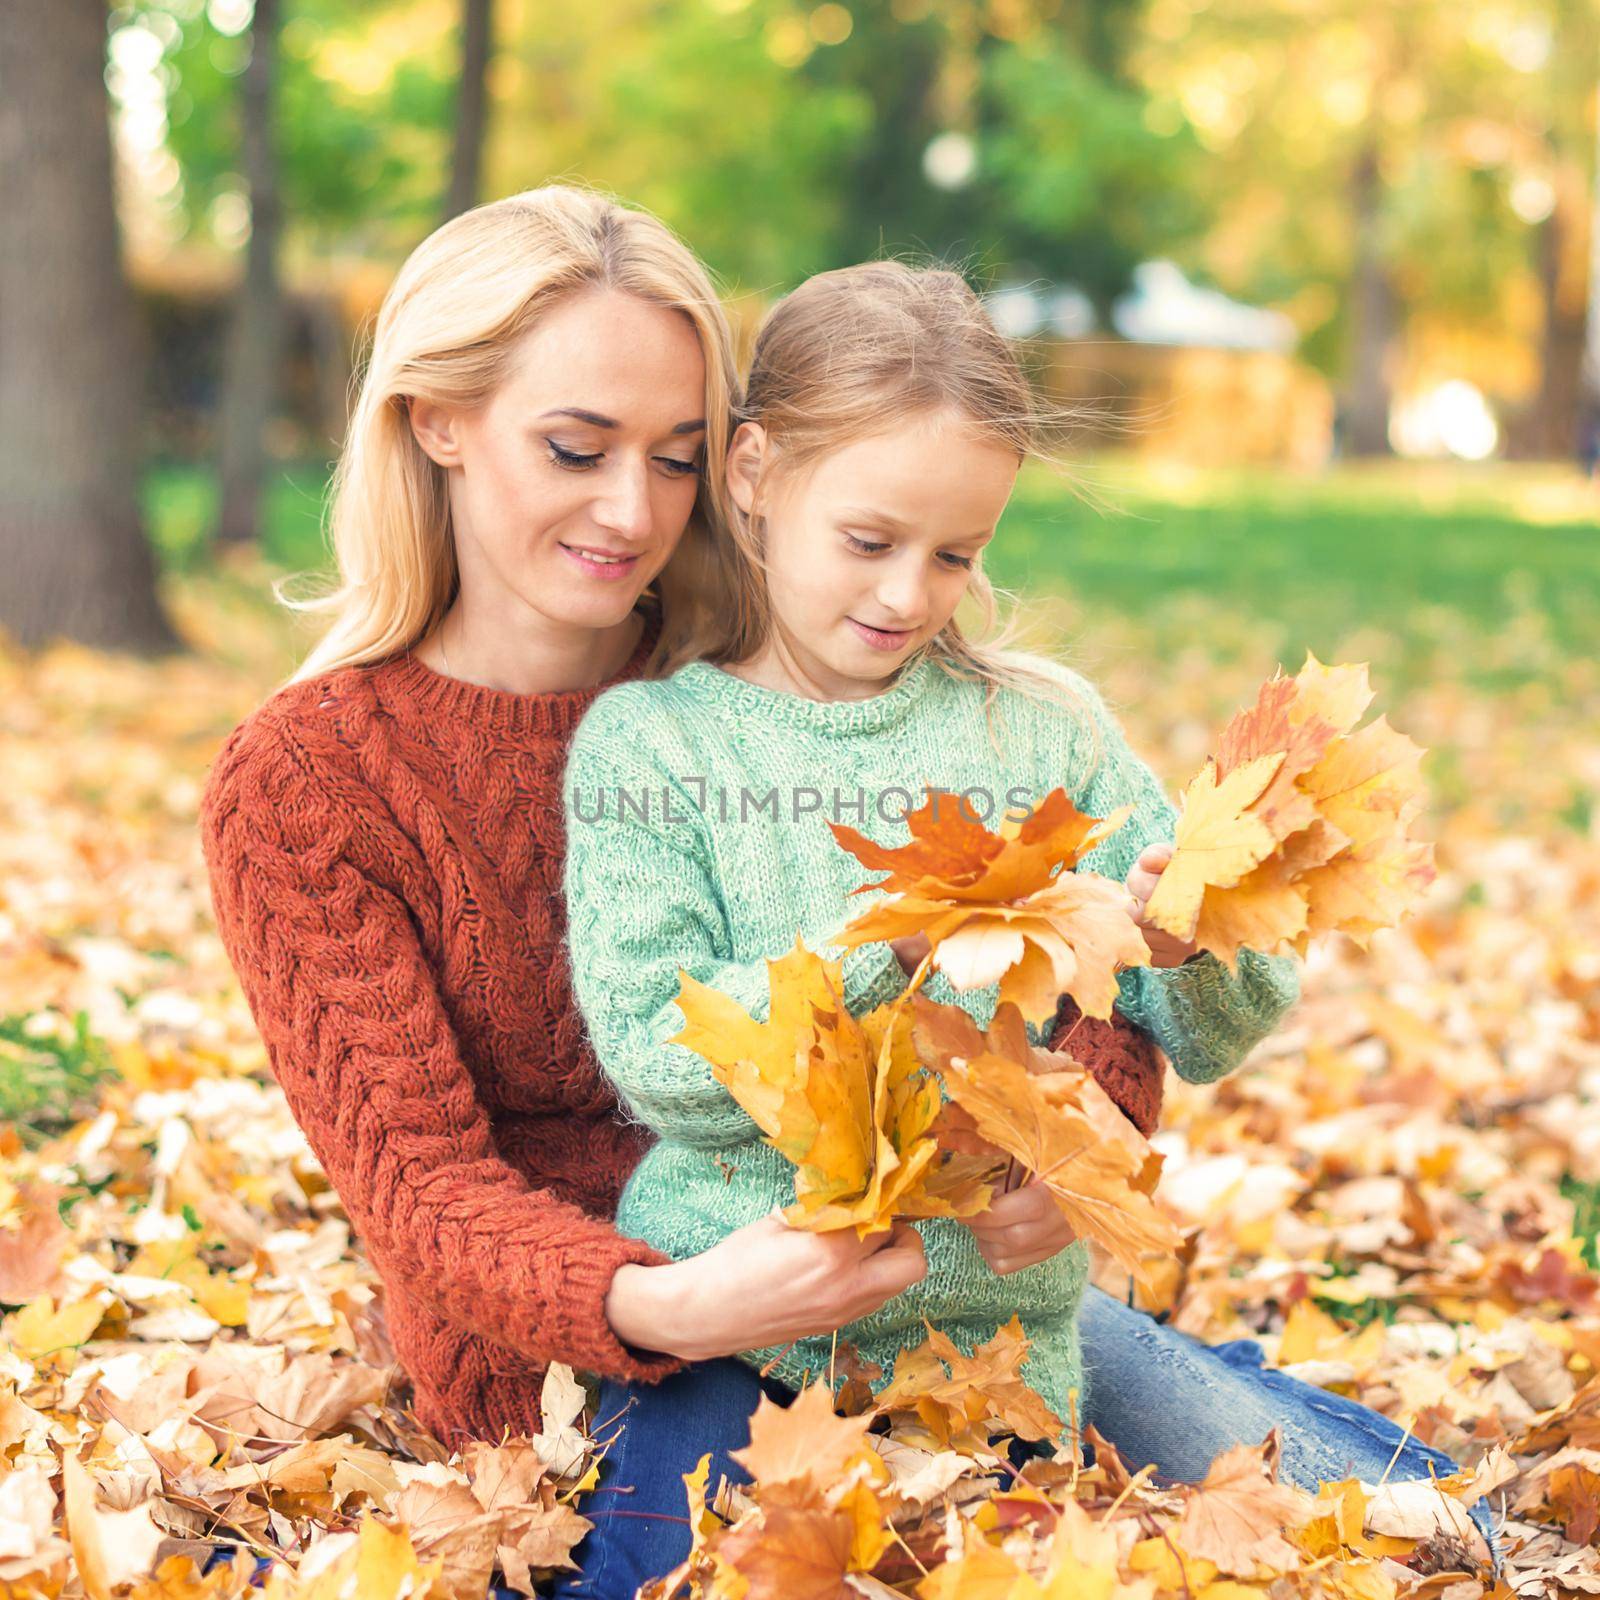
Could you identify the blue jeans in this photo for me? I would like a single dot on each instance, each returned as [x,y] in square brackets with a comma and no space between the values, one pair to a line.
[1168,1400]
[1161,1397]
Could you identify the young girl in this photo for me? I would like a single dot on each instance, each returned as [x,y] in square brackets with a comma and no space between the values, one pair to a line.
[883,427]
[885,424]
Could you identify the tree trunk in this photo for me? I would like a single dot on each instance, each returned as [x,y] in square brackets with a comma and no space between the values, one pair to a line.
[1589,398]
[1372,319]
[1555,421]
[255,337]
[466,160]
[73,554]
[330,358]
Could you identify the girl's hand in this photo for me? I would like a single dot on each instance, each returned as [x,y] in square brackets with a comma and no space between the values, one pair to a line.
[765,1284]
[911,950]
[1165,950]
[1020,1229]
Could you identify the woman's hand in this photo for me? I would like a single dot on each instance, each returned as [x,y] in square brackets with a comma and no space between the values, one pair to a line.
[765,1284]
[1020,1229]
[1165,950]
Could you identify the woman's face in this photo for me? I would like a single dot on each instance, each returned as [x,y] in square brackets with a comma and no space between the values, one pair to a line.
[870,550]
[572,483]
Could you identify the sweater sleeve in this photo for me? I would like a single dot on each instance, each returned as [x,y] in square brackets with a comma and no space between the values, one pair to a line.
[359,1040]
[643,901]
[1205,1018]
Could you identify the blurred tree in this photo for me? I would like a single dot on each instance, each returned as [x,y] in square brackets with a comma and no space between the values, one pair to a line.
[1563,175]
[253,375]
[76,561]
[466,158]
[1401,179]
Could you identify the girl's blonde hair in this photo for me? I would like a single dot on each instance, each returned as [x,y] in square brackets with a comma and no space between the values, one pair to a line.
[446,333]
[847,353]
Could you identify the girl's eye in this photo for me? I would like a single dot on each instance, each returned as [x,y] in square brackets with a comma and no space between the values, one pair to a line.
[864,547]
[964,562]
[570,459]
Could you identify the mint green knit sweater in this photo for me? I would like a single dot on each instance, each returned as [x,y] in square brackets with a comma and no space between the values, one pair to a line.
[697,810]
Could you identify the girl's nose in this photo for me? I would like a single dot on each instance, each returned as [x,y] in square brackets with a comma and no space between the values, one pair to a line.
[903,593]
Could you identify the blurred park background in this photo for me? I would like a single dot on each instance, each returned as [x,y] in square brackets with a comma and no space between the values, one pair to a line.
[1322,266]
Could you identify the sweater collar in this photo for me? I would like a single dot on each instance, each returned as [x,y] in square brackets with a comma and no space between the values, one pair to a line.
[409,683]
[752,702]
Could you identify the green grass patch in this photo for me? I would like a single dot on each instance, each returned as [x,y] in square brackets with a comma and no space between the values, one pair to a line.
[180,504]
[1586,1222]
[1418,559]
[49,1076]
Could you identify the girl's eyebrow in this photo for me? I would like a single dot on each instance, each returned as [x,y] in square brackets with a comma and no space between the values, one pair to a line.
[893,524]
[881,519]
[595,420]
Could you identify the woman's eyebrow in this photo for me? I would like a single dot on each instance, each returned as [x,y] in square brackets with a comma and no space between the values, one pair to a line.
[595,420]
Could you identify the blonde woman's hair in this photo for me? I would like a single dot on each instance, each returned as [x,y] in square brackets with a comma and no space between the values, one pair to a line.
[837,360]
[446,333]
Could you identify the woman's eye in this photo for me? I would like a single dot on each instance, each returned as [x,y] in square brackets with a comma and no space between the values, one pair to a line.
[866,547]
[570,458]
[680,468]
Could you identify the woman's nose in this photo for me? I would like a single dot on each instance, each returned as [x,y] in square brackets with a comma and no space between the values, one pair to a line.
[625,507]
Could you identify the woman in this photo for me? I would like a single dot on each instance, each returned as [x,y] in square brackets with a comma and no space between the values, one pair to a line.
[521,518]
[384,835]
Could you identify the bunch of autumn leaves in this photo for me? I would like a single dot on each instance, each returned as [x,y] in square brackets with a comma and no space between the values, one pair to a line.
[1297,826]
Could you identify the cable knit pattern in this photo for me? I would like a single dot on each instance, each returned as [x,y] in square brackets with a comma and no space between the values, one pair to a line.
[385,849]
[677,860]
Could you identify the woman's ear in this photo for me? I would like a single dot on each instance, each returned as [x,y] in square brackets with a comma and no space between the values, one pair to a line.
[438,430]
[747,453]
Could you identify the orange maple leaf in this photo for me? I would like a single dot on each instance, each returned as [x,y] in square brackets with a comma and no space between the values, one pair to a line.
[1006,907]
[963,1400]
[1049,1113]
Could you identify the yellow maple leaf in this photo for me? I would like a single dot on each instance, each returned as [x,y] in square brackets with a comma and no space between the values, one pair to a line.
[43,1331]
[1320,845]
[1216,842]
[1237,1517]
[845,1099]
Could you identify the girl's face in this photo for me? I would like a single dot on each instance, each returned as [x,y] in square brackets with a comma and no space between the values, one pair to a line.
[870,550]
[571,485]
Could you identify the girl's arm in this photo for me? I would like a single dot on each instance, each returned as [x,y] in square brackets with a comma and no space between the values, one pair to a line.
[1206,1019]
[643,901]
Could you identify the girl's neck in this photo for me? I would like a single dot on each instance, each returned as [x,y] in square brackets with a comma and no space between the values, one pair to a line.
[527,655]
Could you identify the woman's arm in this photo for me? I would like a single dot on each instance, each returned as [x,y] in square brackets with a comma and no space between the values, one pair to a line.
[360,1043]
[1206,1019]
[643,902]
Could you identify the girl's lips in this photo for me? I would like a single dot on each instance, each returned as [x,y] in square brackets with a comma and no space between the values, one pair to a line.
[881,638]
[600,569]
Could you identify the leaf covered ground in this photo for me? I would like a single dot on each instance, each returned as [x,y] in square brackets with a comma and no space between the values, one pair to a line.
[1398,1197]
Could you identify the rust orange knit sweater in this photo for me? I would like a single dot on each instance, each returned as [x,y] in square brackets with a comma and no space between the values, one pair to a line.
[385,847]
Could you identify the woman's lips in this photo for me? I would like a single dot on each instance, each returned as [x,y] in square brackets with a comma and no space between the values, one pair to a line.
[600,569]
[882,638]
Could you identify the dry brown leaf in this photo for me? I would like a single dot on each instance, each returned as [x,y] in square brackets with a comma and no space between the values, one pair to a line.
[1237,1517]
[799,1452]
